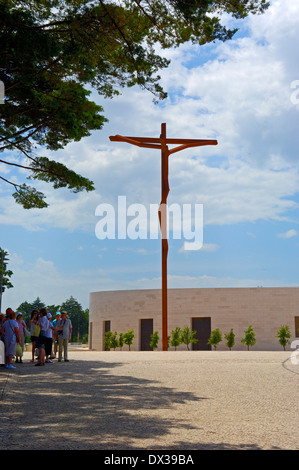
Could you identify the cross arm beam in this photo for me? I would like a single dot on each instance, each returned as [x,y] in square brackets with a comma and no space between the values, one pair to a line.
[135,141]
[195,144]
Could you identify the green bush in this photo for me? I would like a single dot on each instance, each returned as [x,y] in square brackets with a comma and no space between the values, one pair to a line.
[121,340]
[249,338]
[175,337]
[128,338]
[187,336]
[154,340]
[283,336]
[111,341]
[215,338]
[230,339]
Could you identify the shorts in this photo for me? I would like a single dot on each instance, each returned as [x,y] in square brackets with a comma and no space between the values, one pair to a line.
[34,339]
[48,346]
[41,342]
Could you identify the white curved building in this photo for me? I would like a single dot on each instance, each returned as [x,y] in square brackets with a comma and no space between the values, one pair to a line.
[203,310]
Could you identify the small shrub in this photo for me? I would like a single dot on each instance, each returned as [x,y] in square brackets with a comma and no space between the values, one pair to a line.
[111,341]
[187,336]
[121,340]
[154,340]
[175,337]
[283,336]
[249,338]
[114,341]
[107,340]
[230,339]
[215,338]
[128,338]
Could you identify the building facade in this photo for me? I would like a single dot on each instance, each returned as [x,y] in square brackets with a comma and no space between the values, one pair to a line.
[203,310]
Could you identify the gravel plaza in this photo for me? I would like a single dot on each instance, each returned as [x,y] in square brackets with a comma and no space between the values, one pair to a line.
[183,400]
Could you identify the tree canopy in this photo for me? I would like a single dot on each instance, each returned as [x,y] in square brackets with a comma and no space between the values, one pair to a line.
[54,51]
[5,273]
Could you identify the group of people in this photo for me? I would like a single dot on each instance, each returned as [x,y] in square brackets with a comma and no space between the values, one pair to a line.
[47,336]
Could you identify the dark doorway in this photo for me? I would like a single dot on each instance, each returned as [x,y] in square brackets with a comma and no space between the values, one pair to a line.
[146,330]
[202,326]
[106,329]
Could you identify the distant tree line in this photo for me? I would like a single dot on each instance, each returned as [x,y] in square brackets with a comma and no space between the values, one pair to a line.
[78,316]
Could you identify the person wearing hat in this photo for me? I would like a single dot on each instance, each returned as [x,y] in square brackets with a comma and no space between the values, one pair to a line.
[55,334]
[64,327]
[23,332]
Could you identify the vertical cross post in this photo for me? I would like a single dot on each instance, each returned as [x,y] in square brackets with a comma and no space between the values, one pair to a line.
[163,226]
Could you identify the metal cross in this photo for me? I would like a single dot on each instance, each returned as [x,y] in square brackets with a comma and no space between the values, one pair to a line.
[161,143]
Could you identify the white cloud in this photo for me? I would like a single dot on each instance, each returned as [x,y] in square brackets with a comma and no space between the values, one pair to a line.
[289,234]
[41,278]
[210,247]
[241,96]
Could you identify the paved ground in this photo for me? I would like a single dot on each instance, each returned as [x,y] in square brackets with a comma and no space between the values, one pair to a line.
[121,400]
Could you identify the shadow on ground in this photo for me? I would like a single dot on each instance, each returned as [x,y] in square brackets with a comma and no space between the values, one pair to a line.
[84,405]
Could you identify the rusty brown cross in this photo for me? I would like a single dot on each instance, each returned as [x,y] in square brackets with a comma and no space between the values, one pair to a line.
[161,143]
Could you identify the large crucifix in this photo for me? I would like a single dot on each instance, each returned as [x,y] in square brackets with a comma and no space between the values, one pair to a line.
[161,143]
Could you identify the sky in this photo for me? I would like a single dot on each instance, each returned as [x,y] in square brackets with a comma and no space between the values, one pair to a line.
[245,94]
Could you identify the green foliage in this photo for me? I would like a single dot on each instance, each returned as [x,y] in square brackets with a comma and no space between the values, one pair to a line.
[107,339]
[284,335]
[154,340]
[230,339]
[187,336]
[128,338]
[27,307]
[175,337]
[5,274]
[111,341]
[215,338]
[121,340]
[249,338]
[29,197]
[53,52]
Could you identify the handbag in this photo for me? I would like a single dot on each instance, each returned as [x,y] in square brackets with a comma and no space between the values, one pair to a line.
[36,330]
[19,350]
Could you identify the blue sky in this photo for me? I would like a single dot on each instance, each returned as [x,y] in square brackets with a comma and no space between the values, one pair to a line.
[239,93]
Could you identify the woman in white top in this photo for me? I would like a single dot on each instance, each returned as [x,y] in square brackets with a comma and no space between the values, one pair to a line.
[43,322]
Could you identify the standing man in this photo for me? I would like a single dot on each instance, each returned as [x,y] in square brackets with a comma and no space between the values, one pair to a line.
[64,326]
[55,334]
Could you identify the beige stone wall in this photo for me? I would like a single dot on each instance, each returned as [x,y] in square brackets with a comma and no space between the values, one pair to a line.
[266,309]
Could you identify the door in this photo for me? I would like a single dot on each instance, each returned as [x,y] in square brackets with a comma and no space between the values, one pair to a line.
[106,329]
[146,330]
[202,326]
